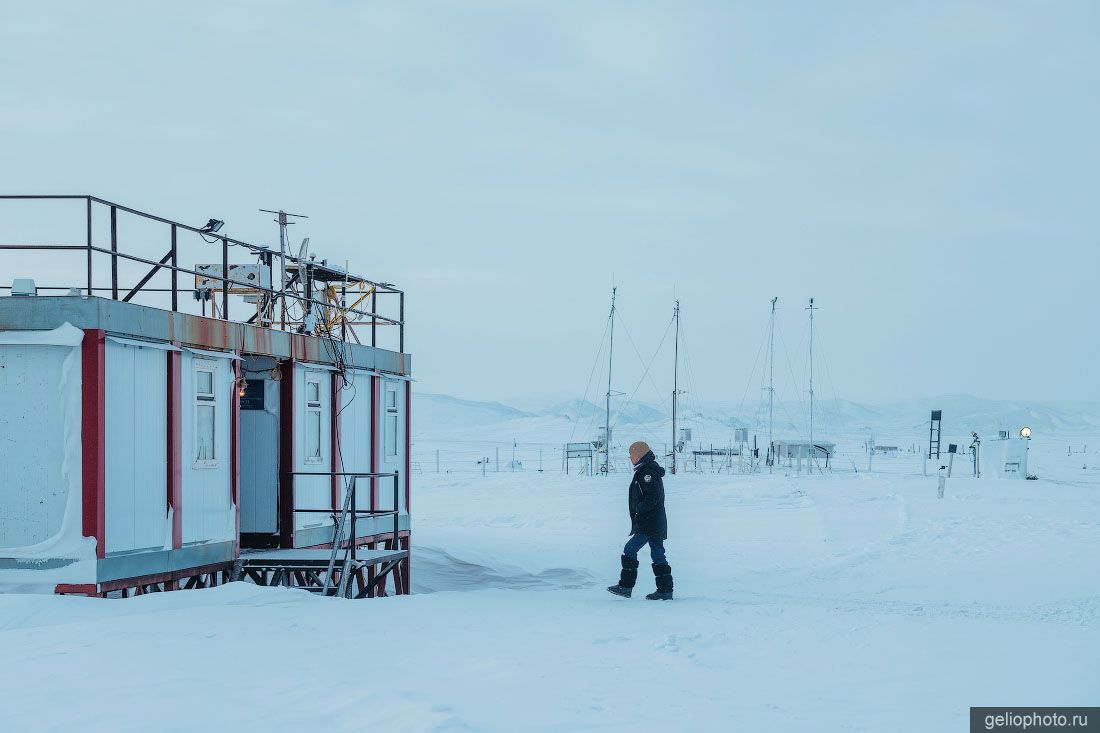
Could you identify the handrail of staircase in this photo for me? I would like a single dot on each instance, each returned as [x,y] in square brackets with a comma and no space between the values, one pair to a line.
[349,508]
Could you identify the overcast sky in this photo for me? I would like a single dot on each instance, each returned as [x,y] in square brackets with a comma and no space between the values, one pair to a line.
[928,172]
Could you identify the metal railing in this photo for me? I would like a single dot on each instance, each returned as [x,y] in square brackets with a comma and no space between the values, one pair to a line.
[350,510]
[170,263]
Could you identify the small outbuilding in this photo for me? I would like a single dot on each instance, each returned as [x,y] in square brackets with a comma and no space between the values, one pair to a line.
[796,451]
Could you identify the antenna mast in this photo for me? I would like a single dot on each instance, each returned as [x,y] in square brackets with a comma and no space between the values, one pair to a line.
[811,309]
[771,384]
[281,291]
[607,415]
[675,381]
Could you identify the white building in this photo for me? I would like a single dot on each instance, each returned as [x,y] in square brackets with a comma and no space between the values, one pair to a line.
[144,448]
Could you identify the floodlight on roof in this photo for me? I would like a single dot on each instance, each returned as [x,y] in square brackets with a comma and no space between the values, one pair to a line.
[212,227]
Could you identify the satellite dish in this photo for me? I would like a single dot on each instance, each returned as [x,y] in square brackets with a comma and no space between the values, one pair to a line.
[302,249]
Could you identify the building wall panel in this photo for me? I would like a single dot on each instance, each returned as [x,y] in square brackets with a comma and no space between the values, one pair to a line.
[355,431]
[34,488]
[136,448]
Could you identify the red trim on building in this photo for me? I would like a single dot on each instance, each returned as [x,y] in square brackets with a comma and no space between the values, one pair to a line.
[334,434]
[286,453]
[175,444]
[92,435]
[235,452]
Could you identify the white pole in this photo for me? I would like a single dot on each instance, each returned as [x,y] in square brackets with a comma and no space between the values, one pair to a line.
[811,309]
[607,414]
[675,383]
[771,383]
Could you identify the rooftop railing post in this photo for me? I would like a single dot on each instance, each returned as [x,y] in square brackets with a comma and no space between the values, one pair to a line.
[401,328]
[175,293]
[89,212]
[114,253]
[374,318]
[225,278]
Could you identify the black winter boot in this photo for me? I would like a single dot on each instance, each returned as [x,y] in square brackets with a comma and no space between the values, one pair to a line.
[663,575]
[627,578]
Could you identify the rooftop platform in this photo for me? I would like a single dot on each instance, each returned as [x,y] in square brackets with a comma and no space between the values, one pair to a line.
[97,264]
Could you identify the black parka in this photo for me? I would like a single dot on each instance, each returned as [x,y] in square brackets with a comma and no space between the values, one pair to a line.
[647,499]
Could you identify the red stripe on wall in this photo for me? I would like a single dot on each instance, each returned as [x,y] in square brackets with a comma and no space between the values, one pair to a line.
[175,444]
[92,435]
[286,453]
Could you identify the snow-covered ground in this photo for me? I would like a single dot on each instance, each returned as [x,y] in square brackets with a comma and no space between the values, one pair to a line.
[839,602]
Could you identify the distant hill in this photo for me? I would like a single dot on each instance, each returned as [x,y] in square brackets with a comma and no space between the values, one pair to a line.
[634,413]
[442,412]
[902,420]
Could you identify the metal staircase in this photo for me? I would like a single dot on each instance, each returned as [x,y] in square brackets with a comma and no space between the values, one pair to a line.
[343,570]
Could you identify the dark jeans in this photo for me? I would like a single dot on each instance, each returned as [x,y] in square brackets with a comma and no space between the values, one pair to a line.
[639,540]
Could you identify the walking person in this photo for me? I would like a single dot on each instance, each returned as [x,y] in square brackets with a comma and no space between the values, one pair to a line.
[648,525]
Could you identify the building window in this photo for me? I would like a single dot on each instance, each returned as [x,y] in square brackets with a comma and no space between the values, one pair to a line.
[391,420]
[206,414]
[313,419]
